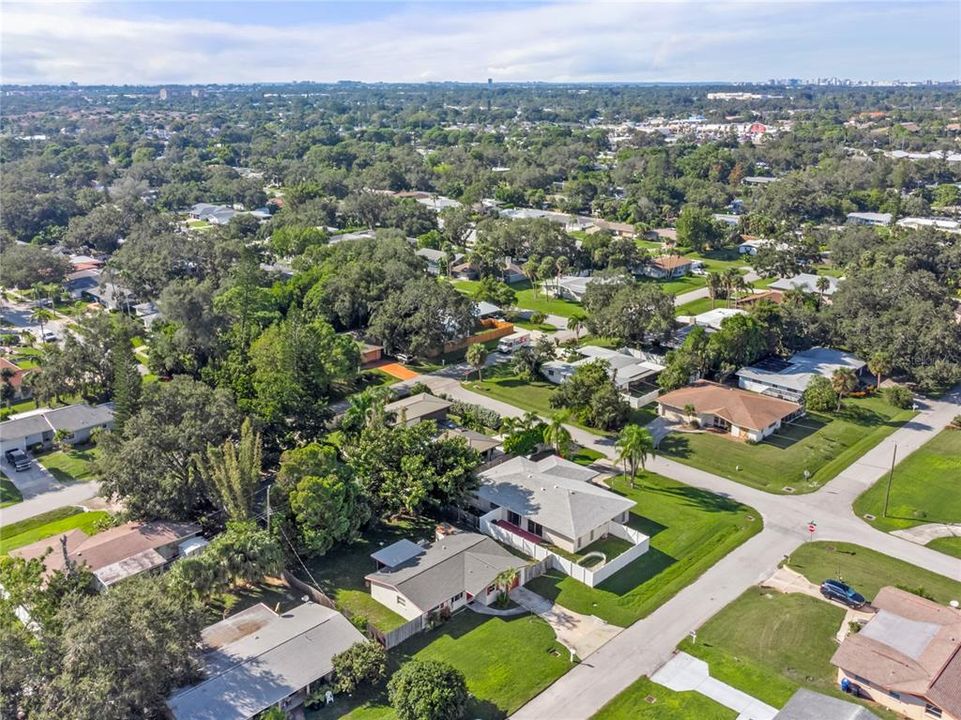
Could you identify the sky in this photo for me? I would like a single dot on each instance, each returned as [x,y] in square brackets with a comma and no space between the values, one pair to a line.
[186,42]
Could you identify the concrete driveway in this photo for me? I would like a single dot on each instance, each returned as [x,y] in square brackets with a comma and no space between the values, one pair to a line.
[583,634]
[684,672]
[34,481]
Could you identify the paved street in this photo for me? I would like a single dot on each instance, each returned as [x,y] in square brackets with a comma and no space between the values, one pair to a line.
[75,494]
[646,645]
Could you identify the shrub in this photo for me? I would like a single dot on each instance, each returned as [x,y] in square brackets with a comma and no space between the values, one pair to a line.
[428,690]
[898,396]
[362,662]
[476,417]
[538,318]
[820,396]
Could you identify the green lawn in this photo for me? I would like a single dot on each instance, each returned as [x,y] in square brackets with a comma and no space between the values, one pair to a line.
[71,464]
[506,662]
[535,396]
[701,305]
[690,530]
[585,456]
[9,495]
[279,598]
[340,573]
[528,298]
[47,525]
[678,286]
[821,444]
[635,704]
[768,644]
[720,260]
[924,487]
[868,571]
[947,545]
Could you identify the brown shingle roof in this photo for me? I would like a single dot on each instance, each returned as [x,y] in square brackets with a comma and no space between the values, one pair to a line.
[110,546]
[670,262]
[739,407]
[911,645]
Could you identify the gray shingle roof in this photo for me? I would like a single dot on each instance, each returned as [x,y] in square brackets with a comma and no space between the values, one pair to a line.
[79,417]
[462,562]
[278,655]
[808,705]
[553,492]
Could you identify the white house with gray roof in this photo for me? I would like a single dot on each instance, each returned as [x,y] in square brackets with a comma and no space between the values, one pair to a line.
[39,427]
[551,508]
[807,282]
[788,379]
[457,568]
[258,659]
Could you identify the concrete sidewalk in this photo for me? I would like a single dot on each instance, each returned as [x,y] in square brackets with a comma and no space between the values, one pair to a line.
[684,672]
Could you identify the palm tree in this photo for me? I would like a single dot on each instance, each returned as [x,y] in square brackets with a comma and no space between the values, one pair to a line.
[365,407]
[730,278]
[42,315]
[531,270]
[576,323]
[505,579]
[562,265]
[476,357]
[714,286]
[822,285]
[843,381]
[558,436]
[880,364]
[634,444]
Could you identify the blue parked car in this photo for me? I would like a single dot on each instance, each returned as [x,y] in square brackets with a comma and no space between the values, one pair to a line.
[845,594]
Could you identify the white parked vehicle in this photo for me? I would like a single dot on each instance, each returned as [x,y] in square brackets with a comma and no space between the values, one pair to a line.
[510,343]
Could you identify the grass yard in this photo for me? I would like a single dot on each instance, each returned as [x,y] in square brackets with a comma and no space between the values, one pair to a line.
[678,286]
[768,644]
[72,464]
[9,495]
[821,444]
[47,525]
[535,396]
[868,571]
[506,662]
[634,704]
[690,530]
[720,260]
[340,573]
[924,487]
[585,456]
[701,305]
[947,545]
[273,594]
[528,298]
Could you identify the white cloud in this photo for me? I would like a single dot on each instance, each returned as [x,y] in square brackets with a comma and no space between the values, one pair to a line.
[639,41]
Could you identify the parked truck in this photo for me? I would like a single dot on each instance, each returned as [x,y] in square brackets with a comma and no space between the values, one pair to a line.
[510,343]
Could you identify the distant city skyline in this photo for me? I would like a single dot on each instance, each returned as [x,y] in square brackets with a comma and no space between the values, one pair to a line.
[219,42]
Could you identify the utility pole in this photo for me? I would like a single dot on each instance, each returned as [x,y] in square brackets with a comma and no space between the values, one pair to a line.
[887,492]
[268,508]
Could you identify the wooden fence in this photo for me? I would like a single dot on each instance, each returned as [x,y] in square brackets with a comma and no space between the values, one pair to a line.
[496,329]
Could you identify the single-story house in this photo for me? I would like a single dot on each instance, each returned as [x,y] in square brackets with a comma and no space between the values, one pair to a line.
[552,500]
[258,659]
[465,271]
[668,266]
[664,235]
[457,568]
[806,282]
[726,219]
[511,272]
[618,229]
[39,427]
[12,374]
[370,353]
[214,214]
[570,287]
[80,283]
[742,414]
[938,223]
[422,406]
[758,180]
[750,245]
[117,553]
[710,320]
[437,259]
[789,378]
[907,657]
[774,296]
[483,309]
[809,705]
[351,236]
[869,218]
[626,369]
[485,445]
